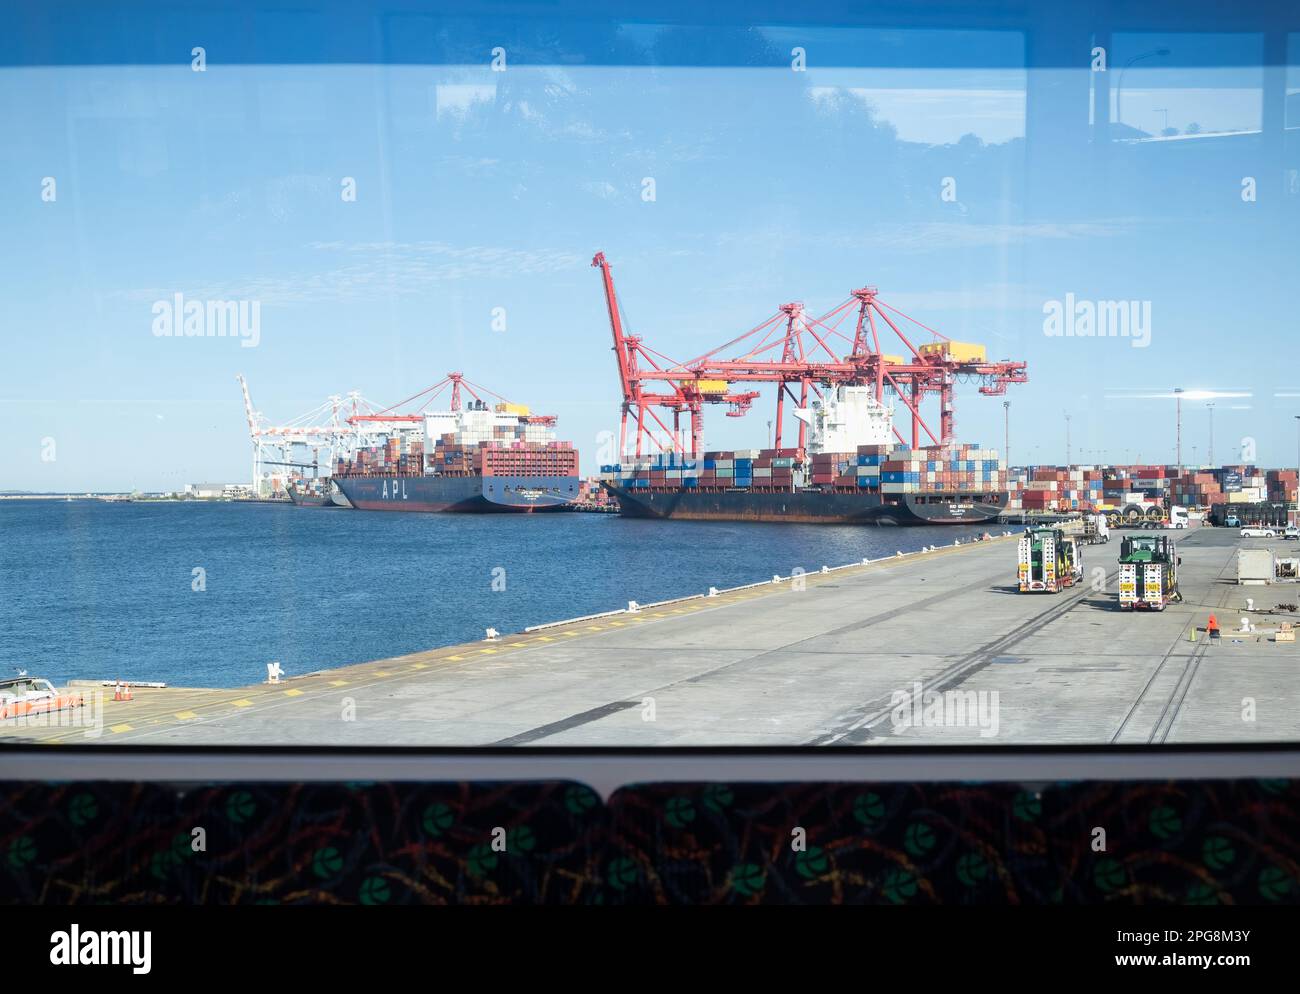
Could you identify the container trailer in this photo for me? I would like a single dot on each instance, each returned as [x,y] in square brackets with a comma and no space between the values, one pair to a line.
[1048,561]
[1148,572]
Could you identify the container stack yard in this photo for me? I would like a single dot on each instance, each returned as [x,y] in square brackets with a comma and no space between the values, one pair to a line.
[1056,488]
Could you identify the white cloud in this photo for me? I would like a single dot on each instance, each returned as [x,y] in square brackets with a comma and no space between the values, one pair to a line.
[367,270]
[928,236]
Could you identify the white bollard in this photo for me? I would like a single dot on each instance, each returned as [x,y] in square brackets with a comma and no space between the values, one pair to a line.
[633,607]
[273,672]
[826,569]
[775,578]
[491,635]
[713,591]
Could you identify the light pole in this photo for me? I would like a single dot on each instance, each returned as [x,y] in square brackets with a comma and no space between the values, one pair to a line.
[1210,455]
[1178,439]
[1006,432]
[1297,465]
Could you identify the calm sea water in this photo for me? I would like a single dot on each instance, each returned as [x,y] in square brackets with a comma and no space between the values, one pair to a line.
[96,590]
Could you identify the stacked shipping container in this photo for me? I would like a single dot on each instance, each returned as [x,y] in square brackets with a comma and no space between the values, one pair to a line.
[873,469]
[456,458]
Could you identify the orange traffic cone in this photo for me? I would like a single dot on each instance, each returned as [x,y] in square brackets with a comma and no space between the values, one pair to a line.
[117,691]
[126,691]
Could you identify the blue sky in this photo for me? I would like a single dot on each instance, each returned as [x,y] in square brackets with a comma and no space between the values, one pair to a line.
[479,190]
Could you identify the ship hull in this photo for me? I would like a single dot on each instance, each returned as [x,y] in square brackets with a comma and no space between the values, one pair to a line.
[459,494]
[302,498]
[812,507]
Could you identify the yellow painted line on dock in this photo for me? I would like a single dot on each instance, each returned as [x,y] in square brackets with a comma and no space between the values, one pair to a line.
[209,701]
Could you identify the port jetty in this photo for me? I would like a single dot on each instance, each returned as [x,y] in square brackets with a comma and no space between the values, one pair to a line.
[852,654]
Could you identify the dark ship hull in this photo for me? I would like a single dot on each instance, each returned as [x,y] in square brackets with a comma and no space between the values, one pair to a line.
[812,506]
[459,494]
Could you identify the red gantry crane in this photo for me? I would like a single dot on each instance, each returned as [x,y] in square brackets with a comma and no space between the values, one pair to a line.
[792,349]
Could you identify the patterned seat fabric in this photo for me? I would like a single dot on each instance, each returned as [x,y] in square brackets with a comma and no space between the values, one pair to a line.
[322,843]
[1150,843]
[1231,842]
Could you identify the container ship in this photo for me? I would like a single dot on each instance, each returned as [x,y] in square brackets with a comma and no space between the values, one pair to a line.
[849,473]
[482,460]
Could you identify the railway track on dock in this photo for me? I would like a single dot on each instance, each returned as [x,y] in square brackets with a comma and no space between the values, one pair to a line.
[860,721]
[1173,704]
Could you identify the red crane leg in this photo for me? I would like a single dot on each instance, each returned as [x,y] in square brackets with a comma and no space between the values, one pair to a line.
[803,425]
[916,418]
[946,419]
[780,412]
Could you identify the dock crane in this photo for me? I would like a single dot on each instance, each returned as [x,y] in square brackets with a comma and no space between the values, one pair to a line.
[791,349]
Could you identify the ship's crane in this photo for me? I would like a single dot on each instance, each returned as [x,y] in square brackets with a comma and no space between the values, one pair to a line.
[793,349]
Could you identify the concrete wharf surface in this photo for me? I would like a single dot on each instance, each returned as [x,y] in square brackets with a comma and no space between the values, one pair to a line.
[844,661]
